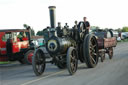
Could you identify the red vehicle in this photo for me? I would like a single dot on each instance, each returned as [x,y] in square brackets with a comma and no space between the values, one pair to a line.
[16,45]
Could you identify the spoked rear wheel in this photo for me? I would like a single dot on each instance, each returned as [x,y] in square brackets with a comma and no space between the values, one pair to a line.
[110,52]
[90,50]
[72,60]
[38,62]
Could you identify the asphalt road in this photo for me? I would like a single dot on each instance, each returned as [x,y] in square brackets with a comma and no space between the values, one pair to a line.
[110,72]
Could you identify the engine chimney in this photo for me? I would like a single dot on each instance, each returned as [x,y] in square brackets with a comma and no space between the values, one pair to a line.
[52,16]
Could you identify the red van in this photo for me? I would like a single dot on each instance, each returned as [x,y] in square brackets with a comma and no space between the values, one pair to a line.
[16,45]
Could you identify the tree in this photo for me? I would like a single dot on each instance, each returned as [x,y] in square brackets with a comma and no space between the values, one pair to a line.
[32,30]
[125,29]
[106,28]
[25,25]
[40,33]
[94,28]
[118,30]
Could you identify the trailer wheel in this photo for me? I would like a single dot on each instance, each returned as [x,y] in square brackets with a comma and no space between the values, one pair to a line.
[38,62]
[110,52]
[28,57]
[72,60]
[90,50]
[102,55]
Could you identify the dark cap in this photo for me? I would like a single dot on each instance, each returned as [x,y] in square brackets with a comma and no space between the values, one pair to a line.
[51,7]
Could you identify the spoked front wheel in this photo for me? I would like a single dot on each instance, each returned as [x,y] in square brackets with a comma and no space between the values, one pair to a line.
[72,60]
[38,62]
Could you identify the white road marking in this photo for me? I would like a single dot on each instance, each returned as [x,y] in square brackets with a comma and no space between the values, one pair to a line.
[29,82]
[32,81]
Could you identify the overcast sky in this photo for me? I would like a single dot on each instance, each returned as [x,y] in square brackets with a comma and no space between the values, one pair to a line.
[102,13]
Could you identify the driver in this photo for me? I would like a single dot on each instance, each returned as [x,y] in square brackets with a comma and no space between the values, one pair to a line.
[87,25]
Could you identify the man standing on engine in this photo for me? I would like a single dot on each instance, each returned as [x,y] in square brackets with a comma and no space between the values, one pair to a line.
[87,25]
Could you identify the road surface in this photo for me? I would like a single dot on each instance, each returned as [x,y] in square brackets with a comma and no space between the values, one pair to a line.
[110,72]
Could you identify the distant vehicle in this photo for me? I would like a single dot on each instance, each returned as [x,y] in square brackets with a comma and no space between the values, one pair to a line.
[38,40]
[41,41]
[16,45]
[123,35]
[126,34]
[115,33]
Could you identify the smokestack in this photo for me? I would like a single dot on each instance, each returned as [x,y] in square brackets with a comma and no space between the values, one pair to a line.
[52,16]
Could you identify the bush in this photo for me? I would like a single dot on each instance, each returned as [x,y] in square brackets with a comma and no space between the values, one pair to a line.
[125,29]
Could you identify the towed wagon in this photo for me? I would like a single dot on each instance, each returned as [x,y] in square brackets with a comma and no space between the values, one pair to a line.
[106,42]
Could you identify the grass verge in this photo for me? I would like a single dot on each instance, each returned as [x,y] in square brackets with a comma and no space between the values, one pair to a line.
[4,62]
[125,40]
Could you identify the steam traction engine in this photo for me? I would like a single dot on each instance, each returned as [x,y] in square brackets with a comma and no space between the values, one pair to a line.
[66,46]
